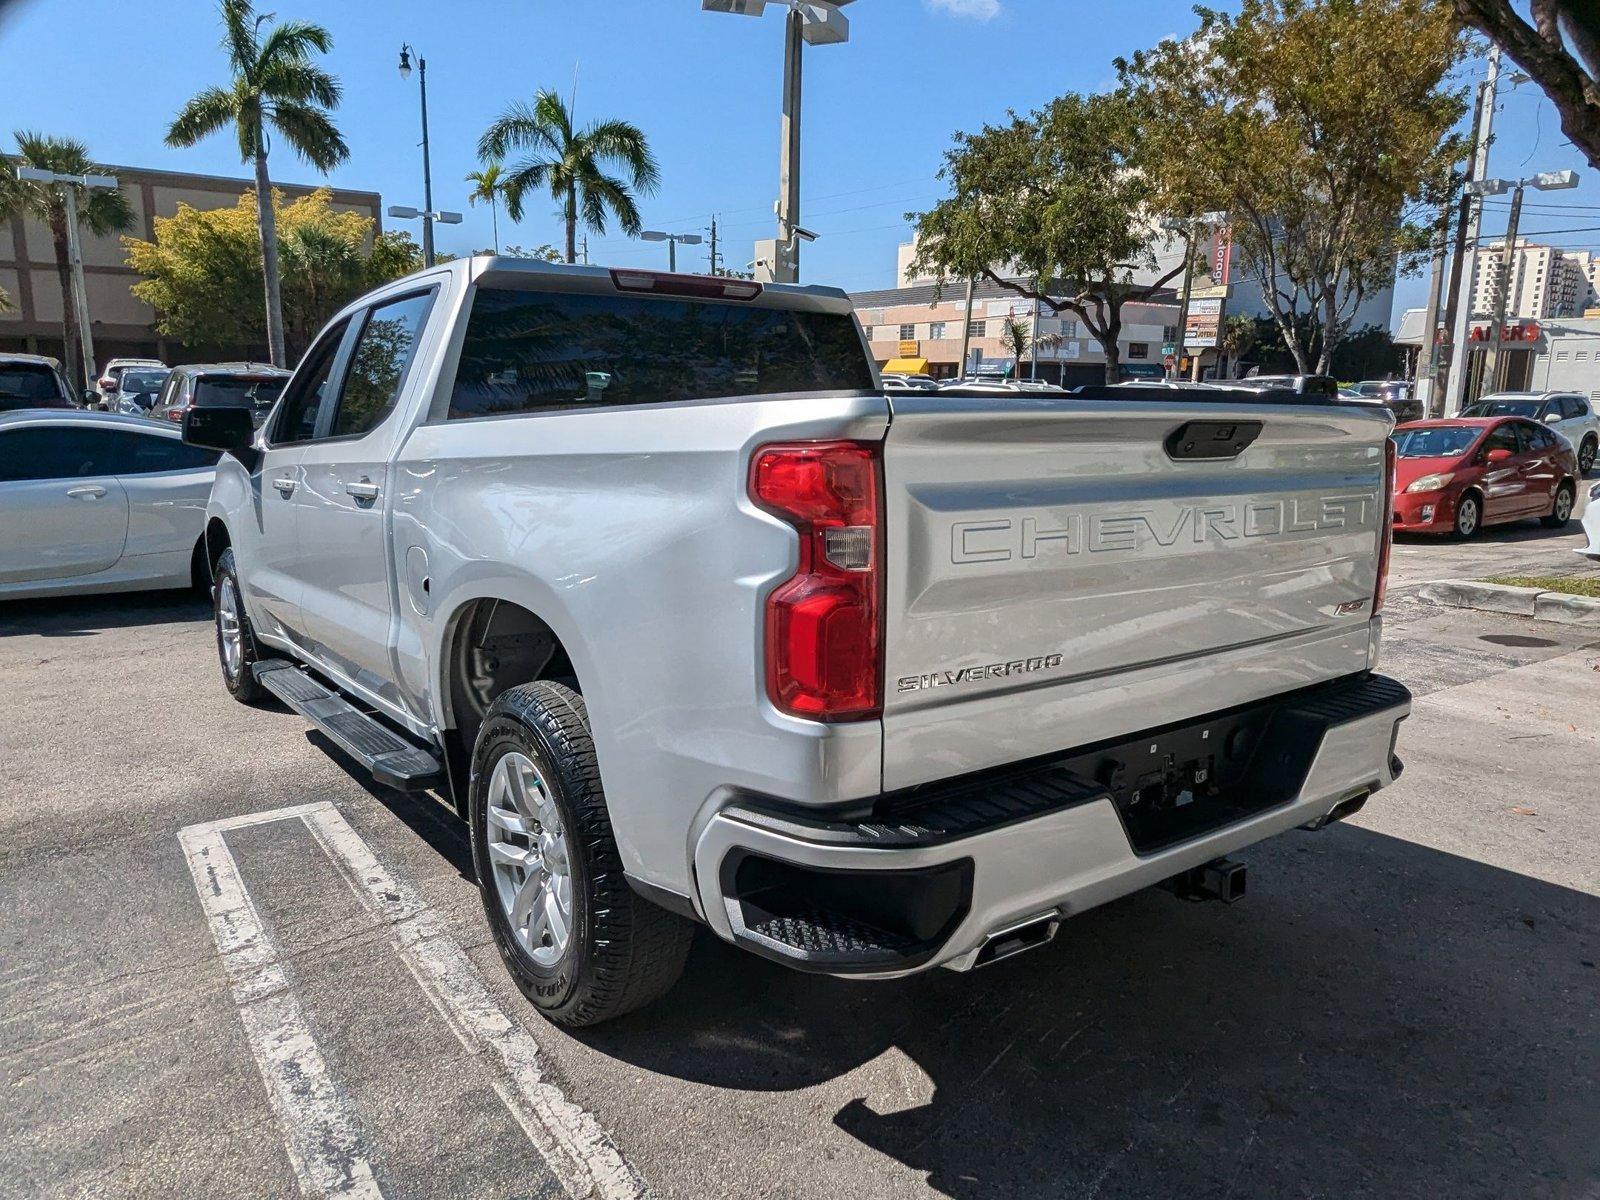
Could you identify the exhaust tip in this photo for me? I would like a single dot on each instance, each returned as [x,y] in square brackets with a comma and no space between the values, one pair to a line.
[1006,943]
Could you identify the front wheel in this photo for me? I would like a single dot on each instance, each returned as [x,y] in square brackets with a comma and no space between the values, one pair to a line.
[236,642]
[1469,517]
[579,942]
[1560,508]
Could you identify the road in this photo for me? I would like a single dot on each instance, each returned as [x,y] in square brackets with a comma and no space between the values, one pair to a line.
[1404,1005]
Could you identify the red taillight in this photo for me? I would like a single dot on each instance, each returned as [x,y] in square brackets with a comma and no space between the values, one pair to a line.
[823,642]
[1386,534]
[175,414]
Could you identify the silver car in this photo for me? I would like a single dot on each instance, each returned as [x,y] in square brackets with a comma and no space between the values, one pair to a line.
[1570,414]
[95,502]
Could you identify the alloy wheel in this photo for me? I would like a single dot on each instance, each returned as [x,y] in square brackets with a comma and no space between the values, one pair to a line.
[1562,510]
[230,634]
[528,852]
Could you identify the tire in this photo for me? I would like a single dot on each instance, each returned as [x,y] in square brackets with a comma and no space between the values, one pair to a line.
[1586,454]
[237,676]
[534,765]
[1469,517]
[1560,507]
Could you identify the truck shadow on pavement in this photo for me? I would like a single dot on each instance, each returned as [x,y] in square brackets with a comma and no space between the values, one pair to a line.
[1376,1018]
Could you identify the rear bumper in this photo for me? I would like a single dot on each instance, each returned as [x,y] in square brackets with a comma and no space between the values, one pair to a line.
[927,877]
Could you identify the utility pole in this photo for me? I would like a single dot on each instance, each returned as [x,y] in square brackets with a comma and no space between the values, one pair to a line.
[966,328]
[1427,387]
[1458,312]
[714,243]
[1508,264]
[80,296]
[586,249]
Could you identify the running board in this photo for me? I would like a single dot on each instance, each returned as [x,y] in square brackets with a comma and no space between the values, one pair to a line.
[391,759]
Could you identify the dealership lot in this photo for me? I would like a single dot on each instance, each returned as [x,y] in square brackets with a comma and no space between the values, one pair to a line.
[1403,1005]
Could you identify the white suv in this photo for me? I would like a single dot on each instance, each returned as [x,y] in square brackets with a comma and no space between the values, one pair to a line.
[1568,413]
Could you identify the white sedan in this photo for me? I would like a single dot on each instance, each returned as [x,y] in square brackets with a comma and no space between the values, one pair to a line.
[95,502]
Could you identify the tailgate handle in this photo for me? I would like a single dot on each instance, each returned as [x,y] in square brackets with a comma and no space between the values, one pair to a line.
[1208,441]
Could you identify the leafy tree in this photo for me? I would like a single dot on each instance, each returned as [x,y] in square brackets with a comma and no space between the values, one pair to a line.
[1053,207]
[541,253]
[203,270]
[1560,50]
[275,87]
[1322,128]
[1239,334]
[487,183]
[99,212]
[5,302]
[569,163]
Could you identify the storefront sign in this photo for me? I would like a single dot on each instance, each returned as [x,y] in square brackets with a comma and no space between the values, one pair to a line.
[1203,325]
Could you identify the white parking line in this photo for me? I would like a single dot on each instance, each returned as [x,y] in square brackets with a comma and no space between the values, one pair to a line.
[319,1122]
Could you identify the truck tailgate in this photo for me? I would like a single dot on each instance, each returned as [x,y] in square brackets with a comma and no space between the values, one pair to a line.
[1061,571]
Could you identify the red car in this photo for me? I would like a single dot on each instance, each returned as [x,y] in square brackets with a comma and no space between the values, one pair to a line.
[1456,475]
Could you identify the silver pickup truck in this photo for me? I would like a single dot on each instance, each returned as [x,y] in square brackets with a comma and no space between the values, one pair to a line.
[695,625]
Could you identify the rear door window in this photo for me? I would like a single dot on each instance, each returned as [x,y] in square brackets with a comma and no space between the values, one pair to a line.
[29,381]
[527,352]
[131,453]
[379,363]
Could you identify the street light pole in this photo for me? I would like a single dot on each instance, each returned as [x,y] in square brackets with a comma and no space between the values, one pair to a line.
[672,240]
[80,295]
[787,268]
[427,171]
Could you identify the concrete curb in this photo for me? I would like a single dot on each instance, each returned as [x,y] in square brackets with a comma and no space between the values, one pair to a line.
[1517,601]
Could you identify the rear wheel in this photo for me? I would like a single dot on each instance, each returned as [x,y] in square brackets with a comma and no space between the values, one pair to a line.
[1586,454]
[1469,517]
[1560,507]
[582,945]
[236,643]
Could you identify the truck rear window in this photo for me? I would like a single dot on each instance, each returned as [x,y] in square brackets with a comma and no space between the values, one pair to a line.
[527,352]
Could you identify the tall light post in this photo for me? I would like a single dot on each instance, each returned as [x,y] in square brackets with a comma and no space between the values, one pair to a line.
[819,23]
[427,172]
[672,240]
[80,295]
[1545,181]
[405,212]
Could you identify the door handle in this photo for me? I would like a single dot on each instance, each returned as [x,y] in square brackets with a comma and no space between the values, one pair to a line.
[365,490]
[88,491]
[285,485]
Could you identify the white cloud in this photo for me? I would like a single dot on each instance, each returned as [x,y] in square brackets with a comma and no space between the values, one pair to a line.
[978,10]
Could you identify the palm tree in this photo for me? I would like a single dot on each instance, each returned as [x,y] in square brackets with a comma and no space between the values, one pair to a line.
[568,162]
[489,183]
[1017,335]
[99,212]
[276,85]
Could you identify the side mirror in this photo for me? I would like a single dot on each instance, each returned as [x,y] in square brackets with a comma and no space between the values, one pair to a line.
[227,429]
[1498,455]
[1553,418]
[90,397]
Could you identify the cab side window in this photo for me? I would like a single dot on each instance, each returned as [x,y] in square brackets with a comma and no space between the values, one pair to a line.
[306,394]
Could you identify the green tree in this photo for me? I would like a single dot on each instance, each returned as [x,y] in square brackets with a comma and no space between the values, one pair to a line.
[487,183]
[1238,339]
[1054,207]
[99,212]
[203,269]
[1560,50]
[5,302]
[570,164]
[1016,335]
[277,88]
[1322,128]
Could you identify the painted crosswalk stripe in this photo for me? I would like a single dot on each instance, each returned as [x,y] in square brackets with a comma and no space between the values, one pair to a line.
[319,1124]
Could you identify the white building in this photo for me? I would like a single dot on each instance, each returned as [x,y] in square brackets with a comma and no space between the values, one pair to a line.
[1545,281]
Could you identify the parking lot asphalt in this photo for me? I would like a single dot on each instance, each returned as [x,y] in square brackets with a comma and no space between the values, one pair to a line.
[1406,1004]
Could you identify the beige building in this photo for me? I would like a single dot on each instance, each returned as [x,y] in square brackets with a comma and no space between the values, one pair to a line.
[924,330]
[122,325]
[1546,281]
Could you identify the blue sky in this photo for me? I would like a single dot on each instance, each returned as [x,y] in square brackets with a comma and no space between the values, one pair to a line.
[879,111]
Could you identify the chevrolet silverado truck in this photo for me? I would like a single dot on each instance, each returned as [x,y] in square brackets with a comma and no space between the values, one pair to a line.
[695,624]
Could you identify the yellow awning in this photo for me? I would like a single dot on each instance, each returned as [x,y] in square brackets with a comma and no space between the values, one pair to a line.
[906,366]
